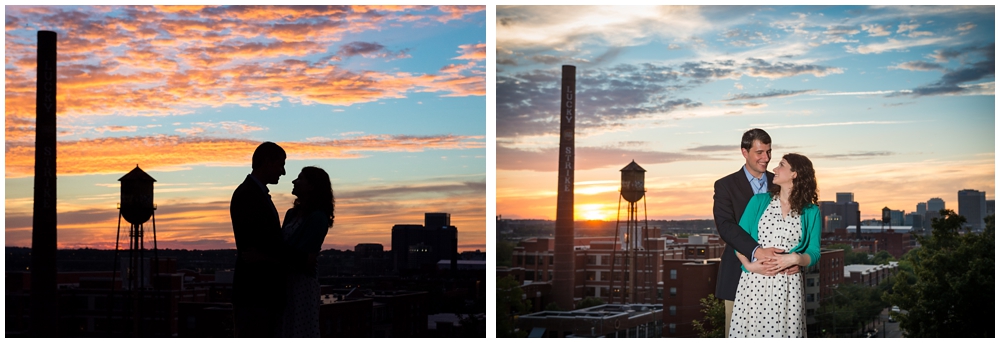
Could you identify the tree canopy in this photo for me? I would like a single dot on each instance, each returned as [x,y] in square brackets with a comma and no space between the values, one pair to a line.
[509,304]
[948,291]
[714,323]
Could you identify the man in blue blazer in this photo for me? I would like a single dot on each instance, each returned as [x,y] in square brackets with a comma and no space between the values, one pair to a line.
[731,196]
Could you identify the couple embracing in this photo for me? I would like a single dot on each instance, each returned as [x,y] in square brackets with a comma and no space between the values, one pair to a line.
[275,290]
[771,226]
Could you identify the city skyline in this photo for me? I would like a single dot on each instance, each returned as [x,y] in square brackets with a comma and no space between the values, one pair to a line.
[389,100]
[894,104]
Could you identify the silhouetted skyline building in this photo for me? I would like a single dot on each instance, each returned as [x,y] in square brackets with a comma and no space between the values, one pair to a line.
[420,247]
[921,208]
[935,205]
[848,212]
[972,206]
[370,259]
[896,217]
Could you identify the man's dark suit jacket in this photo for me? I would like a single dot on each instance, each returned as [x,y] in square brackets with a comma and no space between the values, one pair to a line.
[259,277]
[732,193]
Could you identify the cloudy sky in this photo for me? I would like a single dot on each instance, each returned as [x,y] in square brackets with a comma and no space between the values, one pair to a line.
[389,100]
[894,104]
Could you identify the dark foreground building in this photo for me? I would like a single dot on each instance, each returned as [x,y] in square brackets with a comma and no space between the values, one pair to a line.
[638,320]
[417,249]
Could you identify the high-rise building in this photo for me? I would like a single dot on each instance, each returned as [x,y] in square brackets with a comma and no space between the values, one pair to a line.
[990,208]
[921,208]
[935,205]
[896,217]
[369,259]
[848,212]
[914,220]
[832,222]
[972,206]
[843,198]
[416,247]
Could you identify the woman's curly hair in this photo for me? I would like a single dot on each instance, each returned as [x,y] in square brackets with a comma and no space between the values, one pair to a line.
[804,190]
[321,196]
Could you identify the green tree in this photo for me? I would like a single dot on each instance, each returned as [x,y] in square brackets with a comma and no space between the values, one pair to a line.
[952,293]
[849,308]
[882,257]
[509,304]
[714,324]
[850,256]
[589,302]
[505,252]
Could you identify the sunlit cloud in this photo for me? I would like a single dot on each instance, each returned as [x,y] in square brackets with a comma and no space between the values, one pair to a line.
[162,152]
[472,52]
[185,63]
[773,126]
[892,45]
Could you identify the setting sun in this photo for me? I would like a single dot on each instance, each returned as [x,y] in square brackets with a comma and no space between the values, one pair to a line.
[593,212]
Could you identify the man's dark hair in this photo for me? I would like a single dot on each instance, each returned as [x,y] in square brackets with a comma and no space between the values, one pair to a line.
[754,135]
[265,152]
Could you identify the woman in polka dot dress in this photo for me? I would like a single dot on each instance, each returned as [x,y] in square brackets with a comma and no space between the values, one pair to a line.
[305,227]
[770,296]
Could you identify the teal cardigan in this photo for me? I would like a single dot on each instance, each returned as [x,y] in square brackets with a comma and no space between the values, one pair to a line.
[811,225]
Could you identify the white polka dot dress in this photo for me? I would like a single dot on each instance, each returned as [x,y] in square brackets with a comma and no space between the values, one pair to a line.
[771,306]
[302,295]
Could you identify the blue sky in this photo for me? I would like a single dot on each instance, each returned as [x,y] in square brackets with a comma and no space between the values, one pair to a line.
[895,104]
[390,100]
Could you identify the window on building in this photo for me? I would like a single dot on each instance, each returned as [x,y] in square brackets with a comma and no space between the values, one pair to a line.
[673,328]
[673,274]
[529,276]
[604,276]
[810,298]
[810,282]
[520,260]
[591,276]
[591,260]
[591,291]
[673,310]
[810,312]
[690,251]
[701,252]
[551,259]
[673,291]
[529,260]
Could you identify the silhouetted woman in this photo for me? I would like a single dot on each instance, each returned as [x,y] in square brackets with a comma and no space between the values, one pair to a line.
[304,229]
[769,301]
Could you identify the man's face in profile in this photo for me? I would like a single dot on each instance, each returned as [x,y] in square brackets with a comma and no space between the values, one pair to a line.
[273,170]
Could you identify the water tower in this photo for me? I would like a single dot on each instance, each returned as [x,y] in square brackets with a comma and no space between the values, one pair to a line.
[137,208]
[635,240]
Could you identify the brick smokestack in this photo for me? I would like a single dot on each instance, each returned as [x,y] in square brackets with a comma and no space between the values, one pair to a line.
[43,233]
[563,284]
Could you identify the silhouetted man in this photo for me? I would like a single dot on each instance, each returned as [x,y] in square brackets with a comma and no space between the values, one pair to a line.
[259,279]
[732,193]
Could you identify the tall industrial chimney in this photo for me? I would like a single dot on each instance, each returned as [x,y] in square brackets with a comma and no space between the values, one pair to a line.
[43,222]
[563,284]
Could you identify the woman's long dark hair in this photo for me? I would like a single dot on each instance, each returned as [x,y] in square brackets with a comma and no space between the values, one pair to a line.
[320,196]
[803,186]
